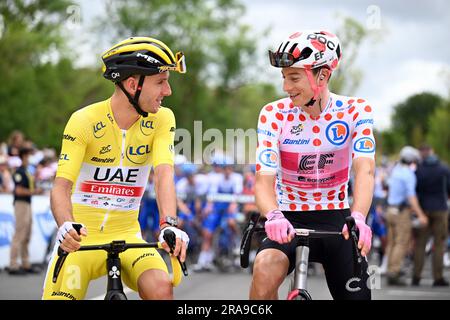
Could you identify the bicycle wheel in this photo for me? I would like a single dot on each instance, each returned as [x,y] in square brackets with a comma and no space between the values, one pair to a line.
[115,296]
[298,294]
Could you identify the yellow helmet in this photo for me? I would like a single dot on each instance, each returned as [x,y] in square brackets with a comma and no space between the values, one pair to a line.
[140,55]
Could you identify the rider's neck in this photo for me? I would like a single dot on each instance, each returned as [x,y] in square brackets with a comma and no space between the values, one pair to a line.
[124,113]
[320,105]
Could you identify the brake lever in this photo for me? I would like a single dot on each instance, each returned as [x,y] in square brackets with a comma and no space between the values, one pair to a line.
[170,238]
[353,235]
[62,255]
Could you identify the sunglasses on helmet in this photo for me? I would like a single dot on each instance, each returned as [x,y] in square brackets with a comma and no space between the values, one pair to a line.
[286,59]
[178,66]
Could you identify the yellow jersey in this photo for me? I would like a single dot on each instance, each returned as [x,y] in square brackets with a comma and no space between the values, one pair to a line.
[109,166]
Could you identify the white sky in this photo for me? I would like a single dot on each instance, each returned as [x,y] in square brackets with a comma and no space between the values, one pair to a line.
[412,56]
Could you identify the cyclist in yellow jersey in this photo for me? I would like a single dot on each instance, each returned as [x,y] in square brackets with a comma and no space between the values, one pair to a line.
[107,153]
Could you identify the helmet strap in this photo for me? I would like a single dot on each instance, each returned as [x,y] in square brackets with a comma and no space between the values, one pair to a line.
[135,100]
[316,89]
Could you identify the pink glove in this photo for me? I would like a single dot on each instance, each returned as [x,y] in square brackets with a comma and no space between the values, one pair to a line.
[278,228]
[365,233]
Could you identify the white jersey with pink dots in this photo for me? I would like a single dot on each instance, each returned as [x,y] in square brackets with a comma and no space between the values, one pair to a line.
[312,156]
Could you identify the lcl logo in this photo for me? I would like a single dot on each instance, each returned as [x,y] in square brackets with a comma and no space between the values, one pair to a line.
[146,127]
[98,127]
[138,155]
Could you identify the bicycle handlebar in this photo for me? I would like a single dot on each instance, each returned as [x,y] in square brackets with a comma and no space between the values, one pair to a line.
[349,221]
[118,246]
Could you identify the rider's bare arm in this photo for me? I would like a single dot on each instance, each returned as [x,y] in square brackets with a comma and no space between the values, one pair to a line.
[364,169]
[60,200]
[265,195]
[165,190]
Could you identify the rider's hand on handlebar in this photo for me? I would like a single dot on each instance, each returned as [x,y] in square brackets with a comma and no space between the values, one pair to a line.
[365,233]
[68,238]
[181,244]
[278,228]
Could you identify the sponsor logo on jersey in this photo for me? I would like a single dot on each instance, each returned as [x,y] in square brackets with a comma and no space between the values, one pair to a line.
[146,127]
[337,132]
[120,199]
[103,160]
[364,121]
[269,158]
[309,162]
[99,129]
[265,132]
[297,129]
[69,137]
[366,145]
[105,149]
[64,156]
[110,118]
[116,174]
[172,129]
[139,154]
[298,141]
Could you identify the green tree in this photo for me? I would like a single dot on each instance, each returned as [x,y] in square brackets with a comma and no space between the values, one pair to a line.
[411,117]
[439,131]
[40,87]
[217,46]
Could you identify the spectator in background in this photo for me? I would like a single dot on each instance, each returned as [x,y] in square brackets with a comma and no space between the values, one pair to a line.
[6,183]
[402,201]
[15,142]
[23,190]
[433,187]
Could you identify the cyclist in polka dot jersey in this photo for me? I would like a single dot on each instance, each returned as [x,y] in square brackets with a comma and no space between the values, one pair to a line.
[307,145]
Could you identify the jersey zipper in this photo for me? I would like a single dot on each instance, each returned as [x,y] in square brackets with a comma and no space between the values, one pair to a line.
[122,155]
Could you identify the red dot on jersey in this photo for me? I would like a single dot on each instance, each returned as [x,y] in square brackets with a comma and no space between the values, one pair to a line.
[279,116]
[342,188]
[267,143]
[291,105]
[317,199]
[366,132]
[328,117]
[292,207]
[355,116]
[304,199]
[351,101]
[263,119]
[281,105]
[330,206]
[318,207]
[269,108]
[317,194]
[330,198]
[317,142]
[330,193]
[290,117]
[288,189]
[316,129]
[305,207]
[274,126]
[291,197]
[302,117]
[340,115]
[354,135]
[341,205]
[301,193]
[368,108]
[258,167]
[360,100]
[351,110]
